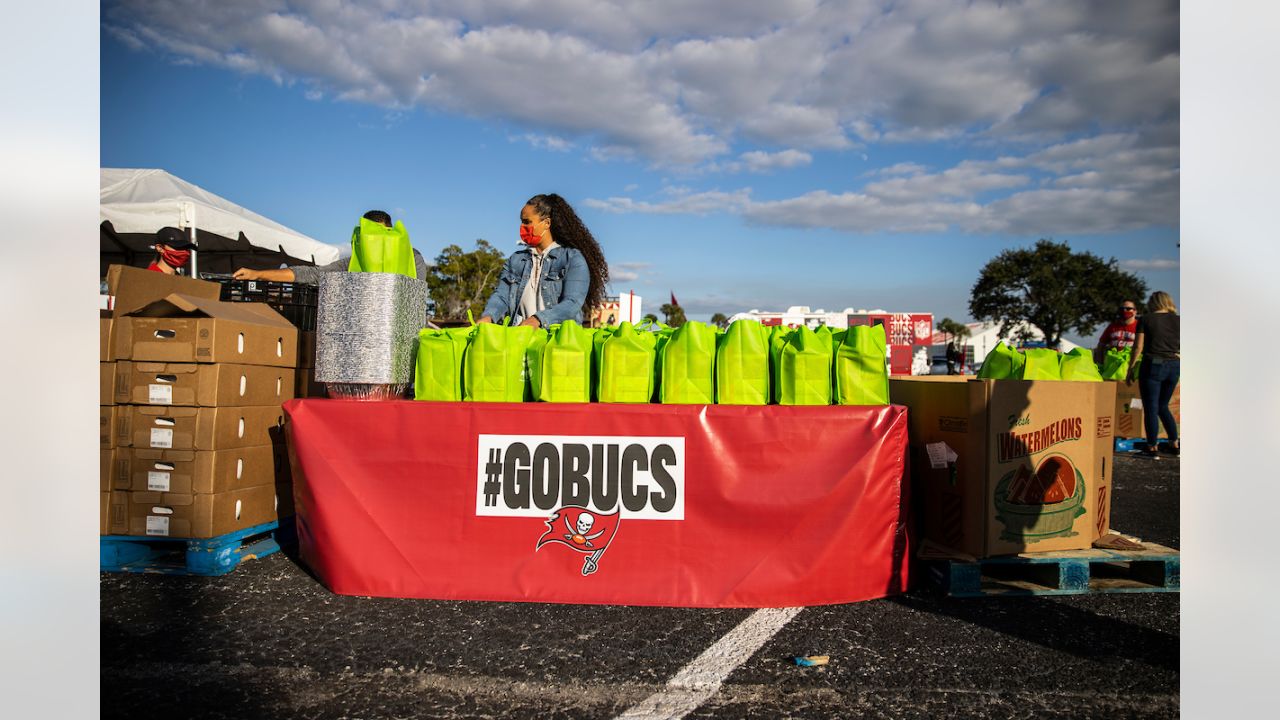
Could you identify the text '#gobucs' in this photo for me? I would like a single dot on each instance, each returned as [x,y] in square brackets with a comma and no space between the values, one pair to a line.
[533,475]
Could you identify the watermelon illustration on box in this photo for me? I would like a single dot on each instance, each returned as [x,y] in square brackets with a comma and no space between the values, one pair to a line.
[1016,465]
[1043,503]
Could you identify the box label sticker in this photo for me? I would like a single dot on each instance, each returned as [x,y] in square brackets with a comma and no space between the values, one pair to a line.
[161,437]
[160,394]
[1104,426]
[947,423]
[1135,404]
[157,525]
[158,481]
[940,454]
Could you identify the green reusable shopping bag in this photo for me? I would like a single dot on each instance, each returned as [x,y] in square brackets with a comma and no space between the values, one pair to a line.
[1078,365]
[1115,364]
[562,370]
[861,376]
[378,248]
[742,364]
[598,336]
[533,362]
[778,336]
[494,367]
[804,368]
[1041,364]
[686,365]
[1002,363]
[438,375]
[626,366]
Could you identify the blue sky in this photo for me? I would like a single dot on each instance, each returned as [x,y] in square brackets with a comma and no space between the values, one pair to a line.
[789,152]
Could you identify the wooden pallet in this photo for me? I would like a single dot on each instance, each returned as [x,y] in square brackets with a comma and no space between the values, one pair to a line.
[1124,445]
[189,556]
[1154,568]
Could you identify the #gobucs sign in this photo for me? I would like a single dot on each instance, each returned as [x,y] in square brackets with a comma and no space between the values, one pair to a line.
[581,485]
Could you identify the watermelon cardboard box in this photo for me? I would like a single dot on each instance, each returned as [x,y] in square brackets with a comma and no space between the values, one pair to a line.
[1130,414]
[1001,467]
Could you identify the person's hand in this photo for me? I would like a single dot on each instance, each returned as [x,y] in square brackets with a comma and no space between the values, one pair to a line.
[245,274]
[485,319]
[532,322]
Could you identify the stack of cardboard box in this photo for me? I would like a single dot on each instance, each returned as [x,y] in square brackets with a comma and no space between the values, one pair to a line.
[192,441]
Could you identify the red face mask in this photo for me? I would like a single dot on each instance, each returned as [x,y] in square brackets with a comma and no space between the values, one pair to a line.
[528,236]
[174,258]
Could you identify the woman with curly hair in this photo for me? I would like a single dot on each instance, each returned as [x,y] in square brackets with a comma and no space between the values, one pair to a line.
[560,274]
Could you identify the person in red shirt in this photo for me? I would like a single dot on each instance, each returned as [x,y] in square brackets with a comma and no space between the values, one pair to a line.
[173,250]
[1121,333]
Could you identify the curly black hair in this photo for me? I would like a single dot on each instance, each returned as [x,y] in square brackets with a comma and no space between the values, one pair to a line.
[568,230]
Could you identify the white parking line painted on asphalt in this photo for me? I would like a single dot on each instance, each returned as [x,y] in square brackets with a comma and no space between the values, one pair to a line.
[698,681]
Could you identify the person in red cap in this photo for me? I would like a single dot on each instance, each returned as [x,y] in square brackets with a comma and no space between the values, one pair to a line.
[173,251]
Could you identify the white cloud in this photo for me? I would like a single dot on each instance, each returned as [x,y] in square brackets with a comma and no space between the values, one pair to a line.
[627,271]
[758,161]
[1151,264]
[683,82]
[701,203]
[1106,184]
[544,142]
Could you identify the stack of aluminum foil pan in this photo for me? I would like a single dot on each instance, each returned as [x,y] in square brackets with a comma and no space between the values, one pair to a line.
[367,333]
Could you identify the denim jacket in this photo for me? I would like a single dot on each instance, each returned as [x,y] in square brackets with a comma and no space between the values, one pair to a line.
[564,283]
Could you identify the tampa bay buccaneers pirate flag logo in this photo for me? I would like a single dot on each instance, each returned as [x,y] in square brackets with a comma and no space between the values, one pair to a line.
[580,529]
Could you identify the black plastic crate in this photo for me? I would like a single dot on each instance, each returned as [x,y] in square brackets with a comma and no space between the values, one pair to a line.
[297,302]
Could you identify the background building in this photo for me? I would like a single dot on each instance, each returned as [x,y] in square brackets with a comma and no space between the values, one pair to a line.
[617,308]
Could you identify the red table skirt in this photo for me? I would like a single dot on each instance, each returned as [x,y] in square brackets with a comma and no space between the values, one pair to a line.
[677,505]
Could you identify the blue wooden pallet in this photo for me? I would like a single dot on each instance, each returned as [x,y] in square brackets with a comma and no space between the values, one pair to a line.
[1155,568]
[1136,444]
[188,556]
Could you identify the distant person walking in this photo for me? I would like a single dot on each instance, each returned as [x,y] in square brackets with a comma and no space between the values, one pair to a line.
[1120,333]
[1158,344]
[953,359]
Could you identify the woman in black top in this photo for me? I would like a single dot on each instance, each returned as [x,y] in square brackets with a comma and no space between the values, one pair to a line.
[1158,346]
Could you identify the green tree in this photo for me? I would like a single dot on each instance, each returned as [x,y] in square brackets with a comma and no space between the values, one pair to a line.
[674,314]
[952,329]
[462,281]
[1052,288]
[651,318]
[720,320]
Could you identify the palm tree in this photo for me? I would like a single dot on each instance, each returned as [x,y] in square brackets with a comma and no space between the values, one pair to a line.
[720,320]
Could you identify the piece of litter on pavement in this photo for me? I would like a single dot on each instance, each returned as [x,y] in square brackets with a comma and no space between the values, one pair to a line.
[811,660]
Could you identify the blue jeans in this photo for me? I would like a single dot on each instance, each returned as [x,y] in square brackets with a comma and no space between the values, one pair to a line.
[1157,378]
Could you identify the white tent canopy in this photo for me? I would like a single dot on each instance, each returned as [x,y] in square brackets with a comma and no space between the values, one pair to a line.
[143,201]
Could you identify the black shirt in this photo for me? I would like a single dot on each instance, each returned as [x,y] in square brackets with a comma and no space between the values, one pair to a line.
[1160,333]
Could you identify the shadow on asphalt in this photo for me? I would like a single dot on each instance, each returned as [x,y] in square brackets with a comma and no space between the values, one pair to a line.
[1057,626]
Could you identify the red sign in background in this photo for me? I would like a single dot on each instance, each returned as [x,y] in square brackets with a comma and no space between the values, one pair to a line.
[781,506]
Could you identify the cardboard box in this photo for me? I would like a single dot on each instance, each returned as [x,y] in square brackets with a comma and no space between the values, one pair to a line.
[306,348]
[106,457]
[105,325]
[1001,467]
[134,288]
[185,329]
[107,389]
[200,384]
[1130,419]
[199,428]
[201,471]
[308,386]
[180,515]
[114,513]
[112,432]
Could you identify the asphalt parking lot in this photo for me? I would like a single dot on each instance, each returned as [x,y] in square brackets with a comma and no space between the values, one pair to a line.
[268,640]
